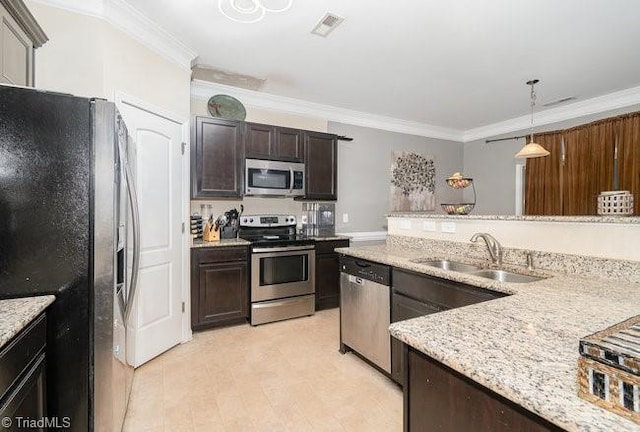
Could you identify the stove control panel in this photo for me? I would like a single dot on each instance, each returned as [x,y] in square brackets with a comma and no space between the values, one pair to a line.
[262,221]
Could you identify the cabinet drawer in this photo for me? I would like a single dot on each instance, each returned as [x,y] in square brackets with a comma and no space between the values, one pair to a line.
[447,294]
[21,351]
[328,246]
[219,254]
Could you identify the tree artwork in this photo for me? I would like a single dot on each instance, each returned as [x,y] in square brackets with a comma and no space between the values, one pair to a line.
[412,182]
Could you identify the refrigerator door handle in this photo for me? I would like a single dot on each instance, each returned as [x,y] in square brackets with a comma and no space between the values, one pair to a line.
[133,200]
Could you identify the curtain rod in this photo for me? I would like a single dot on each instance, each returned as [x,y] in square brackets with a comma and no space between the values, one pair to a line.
[505,139]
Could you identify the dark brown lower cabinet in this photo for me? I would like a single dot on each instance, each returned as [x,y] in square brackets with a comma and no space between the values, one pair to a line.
[437,398]
[219,287]
[22,377]
[328,273]
[415,294]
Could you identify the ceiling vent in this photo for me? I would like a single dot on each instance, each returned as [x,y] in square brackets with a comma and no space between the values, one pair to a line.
[559,101]
[327,24]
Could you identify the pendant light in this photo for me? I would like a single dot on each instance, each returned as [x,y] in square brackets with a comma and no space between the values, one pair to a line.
[532,150]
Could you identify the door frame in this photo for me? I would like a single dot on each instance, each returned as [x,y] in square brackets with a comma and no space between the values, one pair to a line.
[122,98]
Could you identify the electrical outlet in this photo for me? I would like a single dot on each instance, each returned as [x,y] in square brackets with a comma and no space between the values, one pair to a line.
[345,217]
[428,226]
[405,224]
[448,227]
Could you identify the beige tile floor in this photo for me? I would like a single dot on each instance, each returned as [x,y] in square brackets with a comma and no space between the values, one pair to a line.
[285,376]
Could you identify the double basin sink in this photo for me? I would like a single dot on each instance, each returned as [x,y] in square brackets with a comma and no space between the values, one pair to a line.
[488,273]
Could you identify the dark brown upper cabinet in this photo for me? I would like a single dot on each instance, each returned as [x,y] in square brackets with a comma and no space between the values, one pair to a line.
[321,165]
[217,158]
[273,142]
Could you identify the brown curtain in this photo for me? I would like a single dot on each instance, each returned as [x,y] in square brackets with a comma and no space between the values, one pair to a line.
[543,177]
[628,132]
[588,167]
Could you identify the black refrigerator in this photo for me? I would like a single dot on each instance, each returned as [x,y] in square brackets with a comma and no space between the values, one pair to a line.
[69,227]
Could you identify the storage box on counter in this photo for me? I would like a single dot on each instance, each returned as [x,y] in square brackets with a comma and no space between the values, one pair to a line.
[609,369]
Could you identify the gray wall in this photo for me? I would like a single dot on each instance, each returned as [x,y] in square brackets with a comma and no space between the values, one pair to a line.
[364,167]
[493,166]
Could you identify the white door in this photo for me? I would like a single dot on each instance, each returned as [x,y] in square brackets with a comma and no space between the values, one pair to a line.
[155,323]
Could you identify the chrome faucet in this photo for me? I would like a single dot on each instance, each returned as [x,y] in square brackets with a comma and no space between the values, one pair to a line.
[494,247]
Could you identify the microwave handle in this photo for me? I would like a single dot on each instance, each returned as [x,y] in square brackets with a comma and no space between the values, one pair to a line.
[290,179]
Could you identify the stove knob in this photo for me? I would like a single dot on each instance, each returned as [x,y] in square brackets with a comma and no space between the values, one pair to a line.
[244,220]
[251,220]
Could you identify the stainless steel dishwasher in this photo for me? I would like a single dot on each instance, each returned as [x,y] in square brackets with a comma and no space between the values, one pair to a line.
[365,310]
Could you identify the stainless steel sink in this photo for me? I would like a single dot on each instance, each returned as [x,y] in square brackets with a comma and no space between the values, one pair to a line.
[447,265]
[506,276]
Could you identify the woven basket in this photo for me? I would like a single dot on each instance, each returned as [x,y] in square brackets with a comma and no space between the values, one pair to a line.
[615,203]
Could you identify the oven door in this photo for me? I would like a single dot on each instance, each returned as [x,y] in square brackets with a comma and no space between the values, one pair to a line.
[281,272]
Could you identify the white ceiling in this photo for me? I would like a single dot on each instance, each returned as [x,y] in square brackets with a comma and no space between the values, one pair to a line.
[454,64]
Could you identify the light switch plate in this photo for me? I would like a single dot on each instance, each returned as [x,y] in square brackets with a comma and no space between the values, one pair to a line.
[448,227]
[428,226]
[345,217]
[405,224]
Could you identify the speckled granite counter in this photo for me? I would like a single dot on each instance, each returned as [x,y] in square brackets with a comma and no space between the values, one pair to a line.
[15,314]
[524,346]
[240,242]
[575,219]
[220,243]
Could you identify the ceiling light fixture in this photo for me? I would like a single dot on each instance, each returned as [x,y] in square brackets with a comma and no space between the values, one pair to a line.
[251,11]
[532,150]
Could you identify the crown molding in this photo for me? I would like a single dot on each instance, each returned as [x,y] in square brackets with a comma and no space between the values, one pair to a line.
[129,20]
[596,105]
[203,90]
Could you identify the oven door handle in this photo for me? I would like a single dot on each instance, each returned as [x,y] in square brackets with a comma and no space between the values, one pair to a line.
[290,179]
[282,249]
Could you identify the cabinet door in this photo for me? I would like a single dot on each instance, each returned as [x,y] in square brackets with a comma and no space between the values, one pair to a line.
[404,308]
[289,145]
[321,164]
[217,158]
[222,294]
[260,141]
[27,400]
[437,398]
[16,52]
[327,281]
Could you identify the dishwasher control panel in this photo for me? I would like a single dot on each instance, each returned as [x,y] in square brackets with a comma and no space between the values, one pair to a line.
[368,270]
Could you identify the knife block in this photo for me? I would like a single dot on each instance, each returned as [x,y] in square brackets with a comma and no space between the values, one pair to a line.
[210,233]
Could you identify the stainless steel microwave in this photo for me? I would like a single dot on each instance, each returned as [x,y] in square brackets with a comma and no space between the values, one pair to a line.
[274,178]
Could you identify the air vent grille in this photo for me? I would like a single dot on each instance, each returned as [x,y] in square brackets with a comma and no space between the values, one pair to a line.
[327,24]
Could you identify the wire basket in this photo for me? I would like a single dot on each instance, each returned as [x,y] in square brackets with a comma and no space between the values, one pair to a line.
[457,209]
[615,203]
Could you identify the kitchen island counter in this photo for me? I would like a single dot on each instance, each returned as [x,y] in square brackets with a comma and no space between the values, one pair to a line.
[16,314]
[524,346]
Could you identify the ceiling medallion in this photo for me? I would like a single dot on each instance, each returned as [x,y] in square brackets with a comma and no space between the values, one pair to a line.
[251,11]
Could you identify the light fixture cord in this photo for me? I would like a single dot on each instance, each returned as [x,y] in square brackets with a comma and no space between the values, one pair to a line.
[533,104]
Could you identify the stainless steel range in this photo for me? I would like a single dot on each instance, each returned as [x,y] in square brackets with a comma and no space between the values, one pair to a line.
[282,268]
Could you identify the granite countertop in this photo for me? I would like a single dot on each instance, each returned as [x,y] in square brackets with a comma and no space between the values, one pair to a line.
[524,346]
[16,314]
[220,243]
[240,242]
[574,219]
